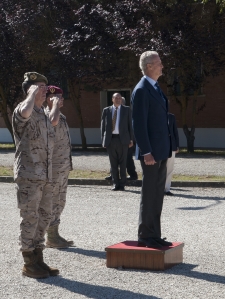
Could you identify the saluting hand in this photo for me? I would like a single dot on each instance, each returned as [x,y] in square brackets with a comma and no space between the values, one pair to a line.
[33,89]
[56,101]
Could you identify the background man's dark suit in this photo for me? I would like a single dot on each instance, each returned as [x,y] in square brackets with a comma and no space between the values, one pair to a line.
[117,146]
[150,123]
[173,132]
[175,148]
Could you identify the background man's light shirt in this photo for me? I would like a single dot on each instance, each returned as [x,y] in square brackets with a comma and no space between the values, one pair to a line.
[116,131]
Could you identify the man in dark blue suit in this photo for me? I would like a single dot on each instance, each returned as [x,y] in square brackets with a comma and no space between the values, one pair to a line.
[151,130]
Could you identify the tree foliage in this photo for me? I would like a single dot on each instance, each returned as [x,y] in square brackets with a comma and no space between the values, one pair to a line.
[190,39]
[94,43]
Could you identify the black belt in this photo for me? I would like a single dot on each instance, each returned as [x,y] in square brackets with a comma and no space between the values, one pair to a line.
[115,135]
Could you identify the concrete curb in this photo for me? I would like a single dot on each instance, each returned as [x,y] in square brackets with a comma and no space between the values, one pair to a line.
[9,179]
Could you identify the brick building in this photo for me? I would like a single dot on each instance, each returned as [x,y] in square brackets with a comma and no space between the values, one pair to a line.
[210,123]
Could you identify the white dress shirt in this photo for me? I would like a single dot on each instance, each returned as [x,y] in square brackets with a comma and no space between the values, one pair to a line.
[116,131]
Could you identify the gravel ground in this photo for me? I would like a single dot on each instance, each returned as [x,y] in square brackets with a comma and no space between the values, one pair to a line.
[200,165]
[96,217]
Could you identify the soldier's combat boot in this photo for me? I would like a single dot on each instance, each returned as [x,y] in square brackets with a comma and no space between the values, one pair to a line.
[31,267]
[40,261]
[70,243]
[54,240]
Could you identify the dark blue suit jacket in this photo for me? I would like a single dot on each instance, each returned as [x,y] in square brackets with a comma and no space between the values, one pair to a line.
[173,132]
[150,121]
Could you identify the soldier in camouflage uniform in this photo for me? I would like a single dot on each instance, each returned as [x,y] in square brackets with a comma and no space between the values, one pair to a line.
[34,139]
[61,166]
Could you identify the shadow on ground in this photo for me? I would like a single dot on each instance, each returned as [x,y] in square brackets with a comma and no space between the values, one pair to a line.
[93,253]
[93,291]
[97,291]
[187,270]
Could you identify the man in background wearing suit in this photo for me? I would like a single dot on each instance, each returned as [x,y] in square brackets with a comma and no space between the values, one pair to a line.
[151,131]
[131,170]
[116,133]
[175,150]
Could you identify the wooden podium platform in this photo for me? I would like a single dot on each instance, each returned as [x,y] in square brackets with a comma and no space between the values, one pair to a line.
[128,255]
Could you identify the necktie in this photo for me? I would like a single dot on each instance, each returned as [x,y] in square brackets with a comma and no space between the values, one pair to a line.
[159,90]
[114,119]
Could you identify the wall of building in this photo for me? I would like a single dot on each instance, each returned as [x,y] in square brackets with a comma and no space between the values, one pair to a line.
[208,138]
[210,122]
[213,114]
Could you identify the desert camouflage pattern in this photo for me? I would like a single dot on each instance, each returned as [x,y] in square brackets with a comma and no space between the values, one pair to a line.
[61,166]
[35,203]
[34,139]
[62,159]
[60,181]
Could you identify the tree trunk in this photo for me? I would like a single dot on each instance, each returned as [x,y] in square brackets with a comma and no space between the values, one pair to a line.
[190,138]
[188,133]
[5,113]
[75,97]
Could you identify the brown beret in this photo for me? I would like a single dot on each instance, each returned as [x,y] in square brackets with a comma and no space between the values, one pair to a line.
[33,77]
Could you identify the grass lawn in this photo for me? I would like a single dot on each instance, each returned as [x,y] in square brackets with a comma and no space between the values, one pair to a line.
[7,146]
[182,151]
[6,171]
[88,174]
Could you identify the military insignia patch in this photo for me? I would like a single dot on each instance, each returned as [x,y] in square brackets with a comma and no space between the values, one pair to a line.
[33,76]
[52,90]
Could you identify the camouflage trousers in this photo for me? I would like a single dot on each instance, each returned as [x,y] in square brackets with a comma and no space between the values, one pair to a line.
[60,181]
[35,203]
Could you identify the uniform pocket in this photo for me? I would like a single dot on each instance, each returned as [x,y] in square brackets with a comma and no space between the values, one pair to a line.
[22,198]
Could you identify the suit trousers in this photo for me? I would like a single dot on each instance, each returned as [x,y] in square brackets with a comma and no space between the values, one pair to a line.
[118,158]
[131,170]
[60,182]
[169,173]
[152,194]
[130,163]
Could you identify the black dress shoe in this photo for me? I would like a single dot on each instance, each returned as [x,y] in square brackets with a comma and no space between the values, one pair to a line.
[163,242]
[148,242]
[132,178]
[115,188]
[169,193]
[108,178]
[122,188]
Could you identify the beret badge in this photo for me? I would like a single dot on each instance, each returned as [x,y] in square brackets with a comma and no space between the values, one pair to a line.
[52,90]
[33,76]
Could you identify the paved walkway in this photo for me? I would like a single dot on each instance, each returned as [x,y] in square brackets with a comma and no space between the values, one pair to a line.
[94,218]
[96,161]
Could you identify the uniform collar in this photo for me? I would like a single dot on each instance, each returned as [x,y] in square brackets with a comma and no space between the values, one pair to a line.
[39,110]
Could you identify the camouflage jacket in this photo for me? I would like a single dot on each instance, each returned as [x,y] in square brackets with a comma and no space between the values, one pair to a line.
[62,158]
[34,139]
